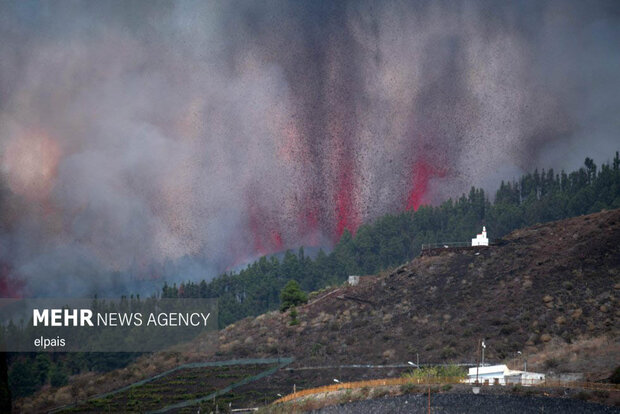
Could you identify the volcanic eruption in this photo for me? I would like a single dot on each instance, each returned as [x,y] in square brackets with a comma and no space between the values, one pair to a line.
[179,140]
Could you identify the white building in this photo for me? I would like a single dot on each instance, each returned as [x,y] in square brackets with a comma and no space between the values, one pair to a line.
[501,375]
[354,280]
[481,239]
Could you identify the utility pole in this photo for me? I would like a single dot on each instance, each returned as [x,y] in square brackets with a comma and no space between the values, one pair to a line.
[478,362]
[428,376]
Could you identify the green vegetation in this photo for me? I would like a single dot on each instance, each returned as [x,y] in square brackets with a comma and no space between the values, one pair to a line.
[23,379]
[292,296]
[440,371]
[27,372]
[409,388]
[182,385]
[294,320]
[396,238]
[58,378]
[387,242]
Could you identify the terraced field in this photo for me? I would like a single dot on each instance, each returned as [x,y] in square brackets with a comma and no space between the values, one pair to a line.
[182,385]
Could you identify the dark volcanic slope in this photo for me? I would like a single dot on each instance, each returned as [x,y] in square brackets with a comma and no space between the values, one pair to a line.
[543,286]
[459,403]
[549,291]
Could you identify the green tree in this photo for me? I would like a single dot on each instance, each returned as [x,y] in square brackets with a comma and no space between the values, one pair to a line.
[393,239]
[23,378]
[292,295]
[42,363]
[294,315]
[58,377]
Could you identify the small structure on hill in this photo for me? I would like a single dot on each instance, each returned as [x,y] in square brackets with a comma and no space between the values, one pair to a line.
[502,375]
[355,280]
[481,239]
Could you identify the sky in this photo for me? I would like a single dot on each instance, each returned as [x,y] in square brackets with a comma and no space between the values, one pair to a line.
[155,139]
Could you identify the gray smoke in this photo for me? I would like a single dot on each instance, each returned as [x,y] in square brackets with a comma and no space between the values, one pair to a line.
[151,139]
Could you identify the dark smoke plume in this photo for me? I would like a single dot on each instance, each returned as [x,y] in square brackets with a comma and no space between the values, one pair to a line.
[148,139]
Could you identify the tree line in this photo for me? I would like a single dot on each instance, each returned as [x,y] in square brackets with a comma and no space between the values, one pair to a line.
[386,242]
[393,239]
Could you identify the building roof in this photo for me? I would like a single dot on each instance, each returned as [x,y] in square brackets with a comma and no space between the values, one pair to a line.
[489,369]
[503,369]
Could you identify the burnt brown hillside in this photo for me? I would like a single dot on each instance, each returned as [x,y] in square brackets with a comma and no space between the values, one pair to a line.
[549,291]
[539,290]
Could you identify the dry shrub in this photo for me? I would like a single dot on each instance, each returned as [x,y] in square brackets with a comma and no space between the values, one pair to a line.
[597,354]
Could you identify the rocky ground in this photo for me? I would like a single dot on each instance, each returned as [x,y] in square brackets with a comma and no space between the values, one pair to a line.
[541,289]
[468,403]
[550,291]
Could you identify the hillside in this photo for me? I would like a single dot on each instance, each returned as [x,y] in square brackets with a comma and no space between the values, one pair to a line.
[545,285]
[549,291]
[393,239]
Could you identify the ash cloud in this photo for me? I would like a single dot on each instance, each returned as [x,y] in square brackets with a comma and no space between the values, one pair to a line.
[147,140]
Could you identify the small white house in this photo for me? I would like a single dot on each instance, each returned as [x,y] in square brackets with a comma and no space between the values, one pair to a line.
[481,239]
[354,280]
[486,373]
[501,375]
[524,378]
